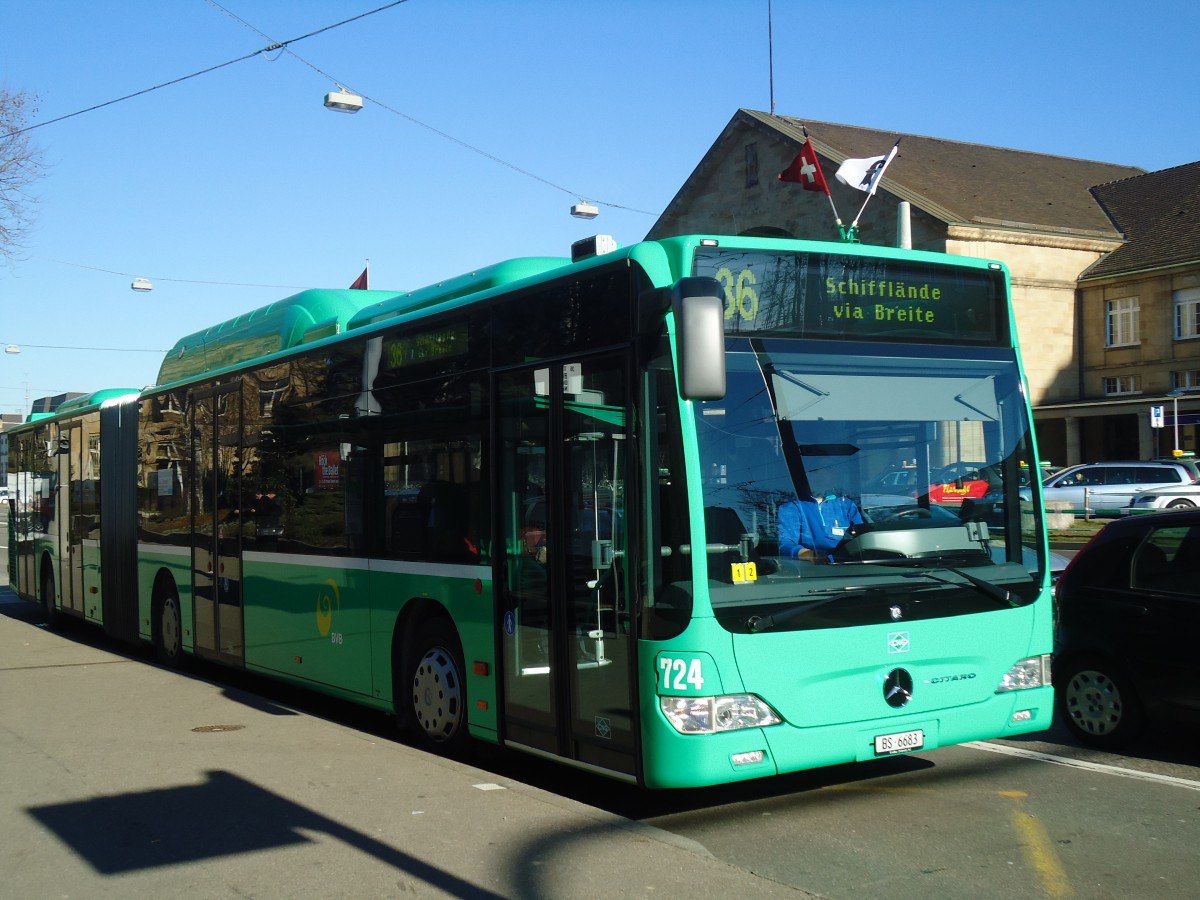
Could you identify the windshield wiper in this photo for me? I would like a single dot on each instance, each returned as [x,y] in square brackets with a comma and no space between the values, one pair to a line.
[994,591]
[755,624]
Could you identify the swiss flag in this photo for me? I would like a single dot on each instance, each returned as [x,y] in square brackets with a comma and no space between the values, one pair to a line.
[805,170]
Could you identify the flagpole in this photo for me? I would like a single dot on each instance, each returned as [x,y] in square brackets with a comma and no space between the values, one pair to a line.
[828,193]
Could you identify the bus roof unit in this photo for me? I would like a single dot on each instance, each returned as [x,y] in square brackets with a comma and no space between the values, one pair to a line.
[475,282]
[301,318]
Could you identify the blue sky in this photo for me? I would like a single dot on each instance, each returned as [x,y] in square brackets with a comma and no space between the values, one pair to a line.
[237,187]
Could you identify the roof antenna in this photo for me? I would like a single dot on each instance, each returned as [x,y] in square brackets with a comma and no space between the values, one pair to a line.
[770,57]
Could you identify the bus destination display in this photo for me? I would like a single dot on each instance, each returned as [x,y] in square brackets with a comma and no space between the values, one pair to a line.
[855,298]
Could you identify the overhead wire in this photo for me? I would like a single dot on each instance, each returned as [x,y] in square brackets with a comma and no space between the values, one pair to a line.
[285,47]
[442,134]
[280,45]
[23,345]
[63,262]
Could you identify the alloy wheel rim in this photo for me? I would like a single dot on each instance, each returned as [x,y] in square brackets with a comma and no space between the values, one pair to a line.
[169,630]
[1094,702]
[437,694]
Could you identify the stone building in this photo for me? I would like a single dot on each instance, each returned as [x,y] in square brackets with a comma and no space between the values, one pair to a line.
[1139,334]
[1042,215]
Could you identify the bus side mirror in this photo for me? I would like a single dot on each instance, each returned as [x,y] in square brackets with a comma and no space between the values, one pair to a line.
[700,338]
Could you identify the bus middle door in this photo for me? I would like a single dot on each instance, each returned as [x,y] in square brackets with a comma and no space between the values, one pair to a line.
[217,523]
[566,633]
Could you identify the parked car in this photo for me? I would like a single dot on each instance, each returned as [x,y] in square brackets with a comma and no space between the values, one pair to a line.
[1128,615]
[1044,471]
[1111,486]
[1185,496]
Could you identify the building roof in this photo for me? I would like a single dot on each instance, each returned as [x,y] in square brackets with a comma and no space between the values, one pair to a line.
[963,183]
[1159,213]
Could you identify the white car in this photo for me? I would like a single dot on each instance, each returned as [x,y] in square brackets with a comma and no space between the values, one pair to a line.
[1184,496]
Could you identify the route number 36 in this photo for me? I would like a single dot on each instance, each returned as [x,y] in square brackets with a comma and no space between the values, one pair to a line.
[681,674]
[740,297]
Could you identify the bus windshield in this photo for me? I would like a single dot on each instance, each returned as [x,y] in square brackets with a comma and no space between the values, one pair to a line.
[836,474]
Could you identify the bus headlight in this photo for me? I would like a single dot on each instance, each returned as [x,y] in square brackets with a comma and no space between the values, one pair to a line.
[1031,672]
[708,715]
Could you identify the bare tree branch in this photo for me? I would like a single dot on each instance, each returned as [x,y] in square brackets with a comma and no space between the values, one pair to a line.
[20,166]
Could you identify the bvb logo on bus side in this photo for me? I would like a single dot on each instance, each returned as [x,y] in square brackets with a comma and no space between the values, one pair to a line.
[326,602]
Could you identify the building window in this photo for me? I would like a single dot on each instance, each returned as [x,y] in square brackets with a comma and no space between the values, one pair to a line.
[751,165]
[1122,322]
[1187,314]
[1122,384]
[1186,378]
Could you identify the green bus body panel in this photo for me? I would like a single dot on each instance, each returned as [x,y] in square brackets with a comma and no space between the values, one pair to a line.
[310,620]
[328,622]
[827,686]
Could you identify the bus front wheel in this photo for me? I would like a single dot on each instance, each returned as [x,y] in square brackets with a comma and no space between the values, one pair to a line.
[435,690]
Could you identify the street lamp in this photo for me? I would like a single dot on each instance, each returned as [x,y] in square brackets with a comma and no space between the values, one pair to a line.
[342,100]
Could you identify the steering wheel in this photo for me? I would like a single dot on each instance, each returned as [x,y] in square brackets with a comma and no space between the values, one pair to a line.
[915,512]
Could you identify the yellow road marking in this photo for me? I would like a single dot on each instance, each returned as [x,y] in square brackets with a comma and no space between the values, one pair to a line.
[1038,848]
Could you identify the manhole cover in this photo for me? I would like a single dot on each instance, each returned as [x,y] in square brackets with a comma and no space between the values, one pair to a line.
[210,729]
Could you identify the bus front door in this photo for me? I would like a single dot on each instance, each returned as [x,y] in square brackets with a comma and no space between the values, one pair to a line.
[217,524]
[566,631]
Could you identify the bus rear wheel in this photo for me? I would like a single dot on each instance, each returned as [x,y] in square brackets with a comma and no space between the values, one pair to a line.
[168,630]
[435,691]
[49,608]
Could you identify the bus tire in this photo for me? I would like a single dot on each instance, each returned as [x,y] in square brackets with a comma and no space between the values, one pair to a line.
[54,619]
[434,689]
[168,628]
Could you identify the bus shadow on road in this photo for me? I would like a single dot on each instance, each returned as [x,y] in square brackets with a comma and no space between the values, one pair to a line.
[192,823]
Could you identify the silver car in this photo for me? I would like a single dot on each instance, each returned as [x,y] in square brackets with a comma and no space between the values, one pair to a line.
[1109,487]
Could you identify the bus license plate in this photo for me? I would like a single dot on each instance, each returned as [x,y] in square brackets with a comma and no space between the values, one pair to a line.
[900,742]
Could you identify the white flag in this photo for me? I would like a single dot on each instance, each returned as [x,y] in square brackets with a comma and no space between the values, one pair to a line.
[864,174]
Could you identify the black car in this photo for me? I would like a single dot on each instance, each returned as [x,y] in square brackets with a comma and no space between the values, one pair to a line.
[1126,643]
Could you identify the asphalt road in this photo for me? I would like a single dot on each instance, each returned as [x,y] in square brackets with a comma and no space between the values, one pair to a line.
[1039,816]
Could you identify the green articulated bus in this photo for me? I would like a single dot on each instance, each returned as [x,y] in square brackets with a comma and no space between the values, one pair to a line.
[693,511]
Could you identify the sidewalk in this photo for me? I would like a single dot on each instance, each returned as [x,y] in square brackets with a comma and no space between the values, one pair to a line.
[123,779]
